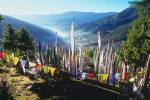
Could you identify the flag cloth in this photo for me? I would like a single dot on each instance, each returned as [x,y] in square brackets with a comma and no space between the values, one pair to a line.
[111,79]
[103,77]
[23,63]
[116,62]
[15,60]
[2,54]
[73,55]
[120,69]
[32,64]
[97,61]
[118,76]
[98,57]
[52,71]
[84,75]
[45,69]
[38,67]
[101,64]
[125,76]
[141,72]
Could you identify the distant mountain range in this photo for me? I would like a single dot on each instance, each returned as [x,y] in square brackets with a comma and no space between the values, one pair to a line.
[113,26]
[39,33]
[61,22]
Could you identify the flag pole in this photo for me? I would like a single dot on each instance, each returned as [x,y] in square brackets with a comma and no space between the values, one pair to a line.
[73,48]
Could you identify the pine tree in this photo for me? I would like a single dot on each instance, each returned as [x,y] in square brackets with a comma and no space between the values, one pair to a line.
[137,46]
[25,40]
[9,38]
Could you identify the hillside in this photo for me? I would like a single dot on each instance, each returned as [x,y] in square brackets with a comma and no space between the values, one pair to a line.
[38,32]
[112,27]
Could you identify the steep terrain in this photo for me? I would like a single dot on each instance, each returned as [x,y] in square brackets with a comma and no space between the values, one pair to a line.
[39,33]
[112,28]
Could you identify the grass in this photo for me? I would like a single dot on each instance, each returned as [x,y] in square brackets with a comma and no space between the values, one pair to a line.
[17,85]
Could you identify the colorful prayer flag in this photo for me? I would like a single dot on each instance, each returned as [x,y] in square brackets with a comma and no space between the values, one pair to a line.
[15,60]
[52,71]
[23,63]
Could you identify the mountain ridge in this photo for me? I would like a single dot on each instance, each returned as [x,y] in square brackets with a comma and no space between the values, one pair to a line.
[39,33]
[62,21]
[113,28]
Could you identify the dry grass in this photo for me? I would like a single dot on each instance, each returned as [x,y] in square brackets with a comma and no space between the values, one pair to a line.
[18,85]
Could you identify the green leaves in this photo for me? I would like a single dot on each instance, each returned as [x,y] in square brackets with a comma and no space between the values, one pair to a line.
[25,40]
[137,46]
[9,37]
[89,52]
[17,39]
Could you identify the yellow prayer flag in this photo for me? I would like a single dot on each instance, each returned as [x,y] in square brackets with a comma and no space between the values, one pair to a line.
[15,60]
[52,70]
[103,77]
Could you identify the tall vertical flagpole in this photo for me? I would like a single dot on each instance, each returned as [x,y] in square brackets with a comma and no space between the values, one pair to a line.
[40,52]
[55,51]
[98,52]
[72,47]
[99,40]
[56,48]
[80,59]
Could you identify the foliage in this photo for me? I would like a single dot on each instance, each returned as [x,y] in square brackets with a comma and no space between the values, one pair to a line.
[137,47]
[2,62]
[18,40]
[9,38]
[25,40]
[89,53]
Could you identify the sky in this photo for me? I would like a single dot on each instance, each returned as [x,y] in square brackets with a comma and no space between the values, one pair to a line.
[30,7]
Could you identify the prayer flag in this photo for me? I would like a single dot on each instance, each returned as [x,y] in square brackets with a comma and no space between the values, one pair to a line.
[23,63]
[52,71]
[15,60]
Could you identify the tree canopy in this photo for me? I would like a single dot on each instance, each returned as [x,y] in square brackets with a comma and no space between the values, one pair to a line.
[17,39]
[137,46]
[9,37]
[25,40]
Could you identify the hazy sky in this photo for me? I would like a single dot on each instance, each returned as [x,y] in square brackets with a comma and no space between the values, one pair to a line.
[17,7]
